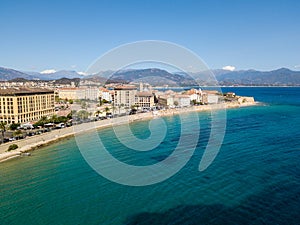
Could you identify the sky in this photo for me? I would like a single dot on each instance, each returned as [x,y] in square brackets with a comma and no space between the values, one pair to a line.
[70,35]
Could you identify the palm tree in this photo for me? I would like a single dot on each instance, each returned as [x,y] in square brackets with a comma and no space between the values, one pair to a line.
[83,114]
[3,129]
[54,119]
[100,101]
[114,109]
[98,112]
[121,106]
[107,109]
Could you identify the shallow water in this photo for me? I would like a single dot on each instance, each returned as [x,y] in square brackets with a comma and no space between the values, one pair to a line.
[255,178]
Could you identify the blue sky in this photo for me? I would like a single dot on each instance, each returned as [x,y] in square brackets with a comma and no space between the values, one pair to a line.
[40,35]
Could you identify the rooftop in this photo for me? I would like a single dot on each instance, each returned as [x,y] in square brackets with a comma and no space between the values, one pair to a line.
[125,87]
[23,91]
[144,94]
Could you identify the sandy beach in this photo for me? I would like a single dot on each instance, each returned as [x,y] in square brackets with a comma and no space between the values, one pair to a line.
[34,142]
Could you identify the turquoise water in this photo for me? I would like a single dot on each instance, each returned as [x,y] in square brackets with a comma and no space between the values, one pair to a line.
[255,178]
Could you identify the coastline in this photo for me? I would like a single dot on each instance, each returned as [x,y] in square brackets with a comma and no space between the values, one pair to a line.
[35,142]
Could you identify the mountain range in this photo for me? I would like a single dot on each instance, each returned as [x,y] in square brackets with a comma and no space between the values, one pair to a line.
[10,74]
[159,77]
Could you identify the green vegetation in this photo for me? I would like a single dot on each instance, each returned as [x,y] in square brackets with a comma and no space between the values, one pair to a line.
[3,129]
[14,126]
[12,147]
[194,102]
[53,119]
[98,112]
[82,114]
[57,99]
[17,133]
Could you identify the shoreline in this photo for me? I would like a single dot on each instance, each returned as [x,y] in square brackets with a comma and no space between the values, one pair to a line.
[45,139]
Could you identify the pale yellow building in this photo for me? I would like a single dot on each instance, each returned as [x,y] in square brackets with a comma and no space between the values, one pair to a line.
[22,105]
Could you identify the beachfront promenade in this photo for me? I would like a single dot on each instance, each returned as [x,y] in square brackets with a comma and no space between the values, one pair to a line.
[31,143]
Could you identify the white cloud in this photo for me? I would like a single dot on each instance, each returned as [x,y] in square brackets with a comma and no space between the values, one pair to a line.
[297,66]
[82,73]
[48,71]
[230,68]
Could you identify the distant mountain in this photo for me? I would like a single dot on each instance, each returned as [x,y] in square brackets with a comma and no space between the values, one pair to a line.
[277,77]
[159,77]
[9,74]
[70,74]
[67,81]
[153,76]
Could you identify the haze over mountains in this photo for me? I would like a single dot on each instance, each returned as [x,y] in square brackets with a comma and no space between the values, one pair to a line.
[159,77]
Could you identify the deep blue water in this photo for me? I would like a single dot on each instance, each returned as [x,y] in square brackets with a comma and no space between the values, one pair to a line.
[255,178]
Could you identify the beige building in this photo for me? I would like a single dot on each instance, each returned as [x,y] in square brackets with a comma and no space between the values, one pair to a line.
[166,100]
[22,105]
[71,93]
[124,95]
[144,99]
[89,93]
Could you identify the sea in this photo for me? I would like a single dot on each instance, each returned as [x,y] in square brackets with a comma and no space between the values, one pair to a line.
[254,178]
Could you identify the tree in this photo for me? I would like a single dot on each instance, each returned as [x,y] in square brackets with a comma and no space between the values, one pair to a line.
[82,114]
[41,122]
[17,133]
[100,101]
[71,114]
[134,108]
[62,119]
[107,109]
[84,105]
[14,126]
[57,99]
[98,112]
[120,106]
[175,103]
[3,130]
[12,147]
[114,109]
[54,119]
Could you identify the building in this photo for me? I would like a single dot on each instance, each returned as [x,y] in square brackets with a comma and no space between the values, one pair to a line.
[174,100]
[144,100]
[181,100]
[105,94]
[71,93]
[124,95]
[195,95]
[166,101]
[212,99]
[89,93]
[22,105]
